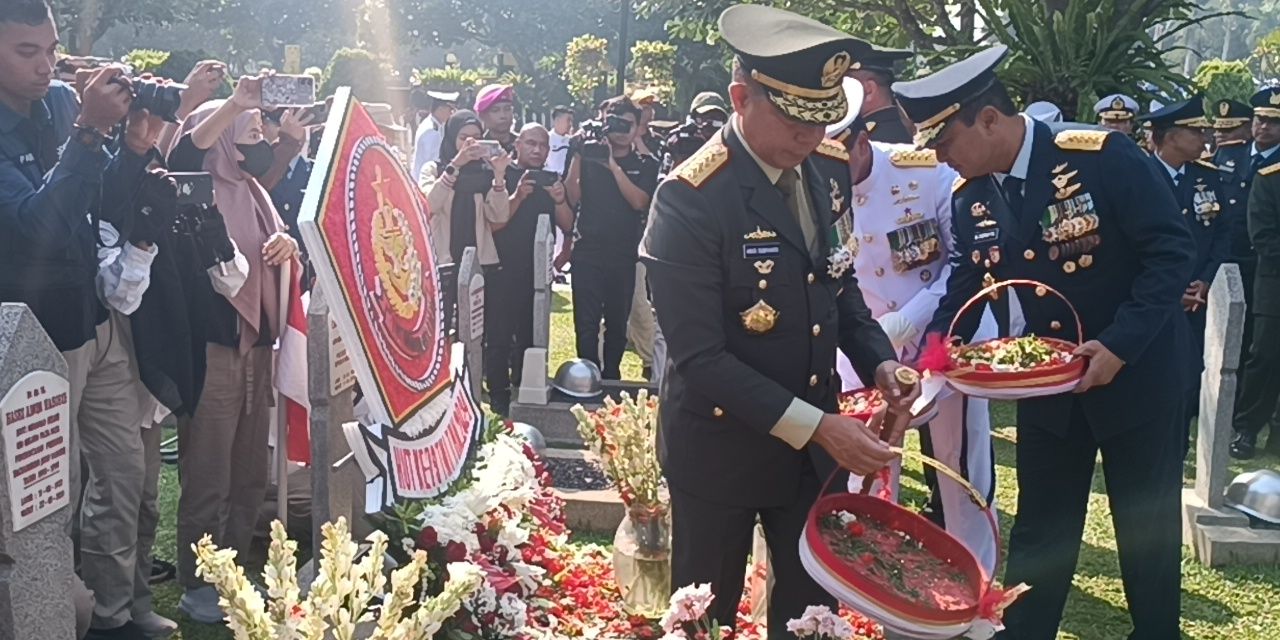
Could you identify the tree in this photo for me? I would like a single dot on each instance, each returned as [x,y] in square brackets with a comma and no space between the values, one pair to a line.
[358,69]
[84,21]
[653,67]
[586,67]
[1266,55]
[1222,80]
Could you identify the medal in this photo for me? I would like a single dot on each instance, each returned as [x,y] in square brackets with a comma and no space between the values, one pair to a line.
[759,318]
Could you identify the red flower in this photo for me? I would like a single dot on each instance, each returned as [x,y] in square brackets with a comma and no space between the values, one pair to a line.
[428,538]
[867,559]
[455,552]
[856,529]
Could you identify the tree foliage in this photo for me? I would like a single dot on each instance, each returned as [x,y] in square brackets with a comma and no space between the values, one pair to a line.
[358,69]
[1266,55]
[653,67]
[146,60]
[84,21]
[1222,80]
[586,67]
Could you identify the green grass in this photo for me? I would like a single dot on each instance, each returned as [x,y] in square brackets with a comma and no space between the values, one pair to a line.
[1241,603]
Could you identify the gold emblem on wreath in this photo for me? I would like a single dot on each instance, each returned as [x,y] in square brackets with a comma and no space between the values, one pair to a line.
[833,72]
[395,257]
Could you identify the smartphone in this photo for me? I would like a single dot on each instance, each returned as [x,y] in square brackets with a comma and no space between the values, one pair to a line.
[288,91]
[542,177]
[194,188]
[492,148]
[319,113]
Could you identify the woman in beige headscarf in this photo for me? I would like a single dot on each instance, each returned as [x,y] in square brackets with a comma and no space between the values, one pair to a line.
[224,460]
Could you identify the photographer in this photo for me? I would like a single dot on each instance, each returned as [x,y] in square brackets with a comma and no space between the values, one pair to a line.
[509,299]
[611,185]
[48,204]
[224,463]
[707,115]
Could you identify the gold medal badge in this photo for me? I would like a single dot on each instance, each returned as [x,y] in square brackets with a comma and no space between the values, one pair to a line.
[759,318]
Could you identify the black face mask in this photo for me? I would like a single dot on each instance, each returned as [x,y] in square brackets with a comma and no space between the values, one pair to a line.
[257,158]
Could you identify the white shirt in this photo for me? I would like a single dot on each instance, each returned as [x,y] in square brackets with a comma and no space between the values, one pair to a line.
[1253,151]
[1176,174]
[426,147]
[124,273]
[559,152]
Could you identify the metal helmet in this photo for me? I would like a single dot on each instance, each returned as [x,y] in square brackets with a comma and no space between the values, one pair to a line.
[1256,493]
[578,378]
[530,434]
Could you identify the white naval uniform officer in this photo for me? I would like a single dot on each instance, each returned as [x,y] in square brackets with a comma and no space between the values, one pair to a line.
[902,220]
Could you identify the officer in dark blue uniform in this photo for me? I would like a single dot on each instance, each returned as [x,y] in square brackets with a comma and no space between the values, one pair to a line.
[753,285]
[876,71]
[1082,211]
[1263,153]
[1178,139]
[1233,137]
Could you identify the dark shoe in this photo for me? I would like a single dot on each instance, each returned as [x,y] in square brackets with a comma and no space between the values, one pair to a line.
[126,631]
[162,571]
[1244,447]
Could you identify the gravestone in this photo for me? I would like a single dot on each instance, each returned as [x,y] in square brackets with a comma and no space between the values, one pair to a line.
[35,553]
[471,316]
[1220,535]
[533,380]
[337,485]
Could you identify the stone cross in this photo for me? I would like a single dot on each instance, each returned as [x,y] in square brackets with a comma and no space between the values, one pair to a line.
[35,552]
[471,316]
[533,379]
[1223,335]
[337,485]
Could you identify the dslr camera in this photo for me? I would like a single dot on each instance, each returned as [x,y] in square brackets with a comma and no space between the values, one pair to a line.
[161,100]
[595,146]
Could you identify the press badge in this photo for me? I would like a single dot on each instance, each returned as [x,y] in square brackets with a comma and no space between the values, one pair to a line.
[755,250]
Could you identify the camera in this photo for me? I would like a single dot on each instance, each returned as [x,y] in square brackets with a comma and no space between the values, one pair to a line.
[161,100]
[685,140]
[596,145]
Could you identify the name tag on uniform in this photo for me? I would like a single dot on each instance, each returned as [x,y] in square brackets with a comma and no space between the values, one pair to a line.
[755,250]
[987,235]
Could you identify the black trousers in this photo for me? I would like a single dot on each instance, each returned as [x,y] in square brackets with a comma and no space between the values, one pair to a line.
[508,319]
[710,544]
[602,292]
[1143,468]
[1260,383]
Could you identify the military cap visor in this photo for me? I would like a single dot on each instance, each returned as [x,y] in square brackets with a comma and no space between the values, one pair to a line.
[881,59]
[1230,114]
[1266,102]
[441,96]
[1187,113]
[931,101]
[799,61]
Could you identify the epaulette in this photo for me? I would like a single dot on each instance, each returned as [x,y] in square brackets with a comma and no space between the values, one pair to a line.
[1230,143]
[832,149]
[921,158]
[1208,165]
[958,184]
[1268,170]
[700,166]
[1081,140]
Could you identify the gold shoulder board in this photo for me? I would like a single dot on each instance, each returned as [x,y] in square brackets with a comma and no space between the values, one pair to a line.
[1205,163]
[922,158]
[703,164]
[832,149]
[958,184]
[1266,171]
[1230,143]
[1081,140]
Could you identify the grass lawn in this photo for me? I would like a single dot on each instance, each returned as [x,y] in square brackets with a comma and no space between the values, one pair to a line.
[1234,604]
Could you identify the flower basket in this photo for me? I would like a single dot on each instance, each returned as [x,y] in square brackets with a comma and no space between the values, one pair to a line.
[1060,371]
[897,568]
[863,404]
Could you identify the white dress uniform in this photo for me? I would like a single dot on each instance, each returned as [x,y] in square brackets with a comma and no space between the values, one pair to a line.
[902,220]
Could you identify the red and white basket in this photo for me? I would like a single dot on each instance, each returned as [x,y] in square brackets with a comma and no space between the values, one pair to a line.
[887,607]
[877,404]
[1016,385]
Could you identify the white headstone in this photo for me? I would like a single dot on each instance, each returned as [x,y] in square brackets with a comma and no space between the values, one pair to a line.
[35,552]
[1224,332]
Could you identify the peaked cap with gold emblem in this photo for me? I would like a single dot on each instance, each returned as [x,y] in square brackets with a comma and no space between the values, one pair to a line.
[799,61]
[1229,114]
[931,101]
[1266,102]
[1116,106]
[1188,113]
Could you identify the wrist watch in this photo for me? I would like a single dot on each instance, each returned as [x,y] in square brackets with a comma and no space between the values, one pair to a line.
[89,137]
[450,170]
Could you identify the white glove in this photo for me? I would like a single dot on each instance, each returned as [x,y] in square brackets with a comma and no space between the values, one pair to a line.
[900,330]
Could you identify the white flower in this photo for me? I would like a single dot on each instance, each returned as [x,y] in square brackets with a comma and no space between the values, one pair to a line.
[688,604]
[846,517]
[821,624]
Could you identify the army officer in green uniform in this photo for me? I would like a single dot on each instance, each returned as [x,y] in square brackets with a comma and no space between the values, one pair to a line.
[754,290]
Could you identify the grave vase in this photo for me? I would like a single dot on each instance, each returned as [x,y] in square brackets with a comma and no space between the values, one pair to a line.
[642,559]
